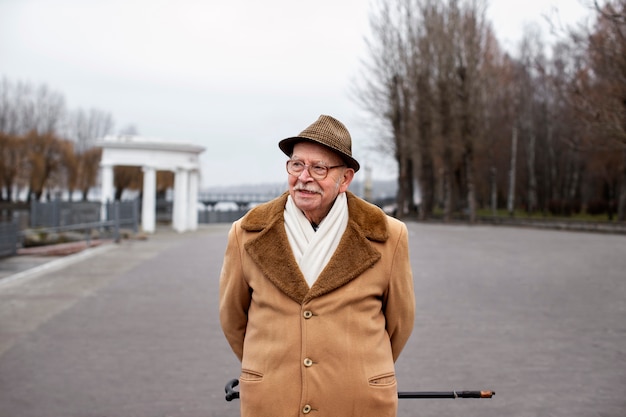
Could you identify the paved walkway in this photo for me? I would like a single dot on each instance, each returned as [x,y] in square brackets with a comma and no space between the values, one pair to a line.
[131,329]
[35,260]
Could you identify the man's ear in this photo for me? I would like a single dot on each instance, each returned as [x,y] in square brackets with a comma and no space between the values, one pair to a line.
[346,179]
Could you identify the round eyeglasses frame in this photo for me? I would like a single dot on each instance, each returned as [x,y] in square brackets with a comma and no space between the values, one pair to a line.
[317,171]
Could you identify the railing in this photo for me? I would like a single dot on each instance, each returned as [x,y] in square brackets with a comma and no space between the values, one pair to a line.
[60,217]
[242,200]
[118,213]
[217,216]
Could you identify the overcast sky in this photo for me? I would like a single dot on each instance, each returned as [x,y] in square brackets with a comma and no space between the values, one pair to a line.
[234,76]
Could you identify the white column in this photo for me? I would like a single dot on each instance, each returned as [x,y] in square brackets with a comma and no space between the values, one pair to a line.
[192,205]
[106,188]
[179,215]
[148,202]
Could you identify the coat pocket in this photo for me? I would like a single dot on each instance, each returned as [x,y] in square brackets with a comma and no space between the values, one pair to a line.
[384,380]
[252,376]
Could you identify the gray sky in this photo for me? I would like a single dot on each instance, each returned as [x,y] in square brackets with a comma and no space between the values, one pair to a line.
[234,76]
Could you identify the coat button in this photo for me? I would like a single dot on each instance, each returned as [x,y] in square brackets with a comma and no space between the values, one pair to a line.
[307,409]
[308,362]
[307,314]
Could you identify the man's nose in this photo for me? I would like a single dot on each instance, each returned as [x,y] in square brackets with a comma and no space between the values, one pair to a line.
[305,175]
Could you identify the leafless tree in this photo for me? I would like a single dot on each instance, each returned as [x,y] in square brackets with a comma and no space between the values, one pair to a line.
[386,92]
[531,51]
[49,110]
[45,159]
[472,54]
[44,145]
[84,128]
[600,86]
[459,113]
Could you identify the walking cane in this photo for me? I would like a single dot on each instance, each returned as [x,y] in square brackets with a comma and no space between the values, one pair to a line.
[231,394]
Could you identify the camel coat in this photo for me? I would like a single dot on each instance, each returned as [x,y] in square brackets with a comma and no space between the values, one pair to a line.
[323,351]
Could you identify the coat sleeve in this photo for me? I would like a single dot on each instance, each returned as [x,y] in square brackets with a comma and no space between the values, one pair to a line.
[235,293]
[400,300]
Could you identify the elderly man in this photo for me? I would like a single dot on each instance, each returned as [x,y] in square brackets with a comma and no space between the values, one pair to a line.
[316,290]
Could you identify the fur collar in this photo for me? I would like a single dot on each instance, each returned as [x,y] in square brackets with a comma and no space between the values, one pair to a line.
[270,248]
[370,219]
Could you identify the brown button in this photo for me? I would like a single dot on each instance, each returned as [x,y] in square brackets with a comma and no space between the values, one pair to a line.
[308,362]
[307,314]
[307,409]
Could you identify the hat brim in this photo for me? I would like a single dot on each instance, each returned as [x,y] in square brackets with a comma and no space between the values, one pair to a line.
[286,145]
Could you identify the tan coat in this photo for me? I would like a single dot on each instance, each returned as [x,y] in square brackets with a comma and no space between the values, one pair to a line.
[328,350]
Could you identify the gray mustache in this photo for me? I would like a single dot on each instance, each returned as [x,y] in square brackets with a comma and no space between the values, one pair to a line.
[310,190]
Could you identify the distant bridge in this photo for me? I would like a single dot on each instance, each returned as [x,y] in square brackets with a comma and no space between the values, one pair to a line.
[243,200]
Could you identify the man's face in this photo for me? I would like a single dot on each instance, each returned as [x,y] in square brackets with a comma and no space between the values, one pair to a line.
[316,197]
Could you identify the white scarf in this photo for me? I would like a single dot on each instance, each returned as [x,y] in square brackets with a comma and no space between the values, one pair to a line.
[314,249]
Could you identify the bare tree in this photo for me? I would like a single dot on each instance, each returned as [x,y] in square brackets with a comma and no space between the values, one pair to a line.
[498,101]
[84,128]
[443,38]
[49,110]
[34,126]
[512,173]
[425,132]
[608,58]
[428,57]
[470,68]
[386,94]
[88,170]
[458,113]
[11,162]
[424,70]
[45,157]
[27,113]
[531,49]
[600,87]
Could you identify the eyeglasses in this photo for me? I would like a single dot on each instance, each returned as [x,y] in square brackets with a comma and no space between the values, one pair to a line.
[316,171]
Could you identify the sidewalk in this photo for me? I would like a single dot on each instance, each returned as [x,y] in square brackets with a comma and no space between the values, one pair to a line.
[130,332]
[539,316]
[38,259]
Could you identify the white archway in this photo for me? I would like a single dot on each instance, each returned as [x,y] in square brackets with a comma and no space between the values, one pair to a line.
[154,155]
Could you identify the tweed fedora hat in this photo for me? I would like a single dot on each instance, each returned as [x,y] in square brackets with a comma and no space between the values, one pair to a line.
[326,131]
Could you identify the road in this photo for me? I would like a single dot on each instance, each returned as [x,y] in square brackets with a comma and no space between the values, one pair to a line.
[538,316]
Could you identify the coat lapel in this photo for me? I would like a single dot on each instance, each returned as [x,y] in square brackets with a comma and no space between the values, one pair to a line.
[353,256]
[271,251]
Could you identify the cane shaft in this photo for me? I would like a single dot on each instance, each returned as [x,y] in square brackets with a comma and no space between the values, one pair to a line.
[231,394]
[446,394]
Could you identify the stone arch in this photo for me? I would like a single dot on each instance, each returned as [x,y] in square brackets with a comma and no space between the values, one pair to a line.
[154,155]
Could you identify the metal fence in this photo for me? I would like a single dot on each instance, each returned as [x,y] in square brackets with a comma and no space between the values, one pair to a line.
[59,217]
[63,213]
[210,216]
[124,213]
[84,217]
